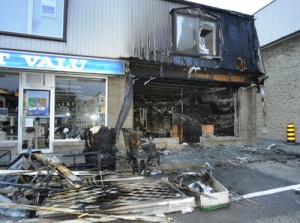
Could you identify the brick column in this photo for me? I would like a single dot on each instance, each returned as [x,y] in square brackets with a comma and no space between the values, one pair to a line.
[116,90]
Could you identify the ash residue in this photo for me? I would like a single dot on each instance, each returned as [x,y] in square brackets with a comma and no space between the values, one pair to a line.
[222,155]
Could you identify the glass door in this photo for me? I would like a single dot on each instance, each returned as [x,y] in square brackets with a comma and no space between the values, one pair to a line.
[35,120]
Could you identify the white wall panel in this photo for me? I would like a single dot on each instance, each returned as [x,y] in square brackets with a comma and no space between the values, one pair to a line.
[107,28]
[278,19]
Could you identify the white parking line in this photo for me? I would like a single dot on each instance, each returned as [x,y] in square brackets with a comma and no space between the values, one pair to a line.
[271,191]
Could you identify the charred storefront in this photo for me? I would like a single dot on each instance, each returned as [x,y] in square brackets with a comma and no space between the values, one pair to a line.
[204,83]
[184,108]
[185,71]
[120,92]
[180,110]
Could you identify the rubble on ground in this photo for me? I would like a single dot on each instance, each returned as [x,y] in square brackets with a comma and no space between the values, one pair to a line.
[42,186]
[193,155]
[39,186]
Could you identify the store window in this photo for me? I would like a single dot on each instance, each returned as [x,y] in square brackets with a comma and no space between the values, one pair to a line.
[9,97]
[44,18]
[195,32]
[80,103]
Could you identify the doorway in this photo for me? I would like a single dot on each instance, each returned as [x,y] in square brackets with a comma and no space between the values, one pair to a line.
[35,107]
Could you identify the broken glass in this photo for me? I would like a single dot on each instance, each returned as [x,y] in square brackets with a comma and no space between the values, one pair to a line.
[207,38]
[196,34]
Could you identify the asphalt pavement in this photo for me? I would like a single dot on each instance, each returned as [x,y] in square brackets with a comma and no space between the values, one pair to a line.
[249,177]
[288,147]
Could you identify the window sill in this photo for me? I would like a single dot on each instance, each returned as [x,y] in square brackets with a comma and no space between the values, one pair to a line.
[210,57]
[61,142]
[201,56]
[8,143]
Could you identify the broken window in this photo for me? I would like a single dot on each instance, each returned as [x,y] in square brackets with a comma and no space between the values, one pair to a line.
[207,33]
[195,32]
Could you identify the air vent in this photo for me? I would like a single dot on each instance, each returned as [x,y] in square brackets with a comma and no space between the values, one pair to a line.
[34,79]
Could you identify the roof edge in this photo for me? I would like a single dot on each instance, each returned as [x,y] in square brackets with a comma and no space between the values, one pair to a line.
[282,39]
[211,8]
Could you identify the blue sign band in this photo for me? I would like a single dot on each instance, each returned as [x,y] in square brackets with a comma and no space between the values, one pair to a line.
[39,61]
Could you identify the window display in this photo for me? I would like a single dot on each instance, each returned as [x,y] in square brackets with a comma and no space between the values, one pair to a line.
[79,103]
[9,84]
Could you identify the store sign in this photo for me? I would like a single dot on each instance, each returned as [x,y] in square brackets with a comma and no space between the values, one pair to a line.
[38,61]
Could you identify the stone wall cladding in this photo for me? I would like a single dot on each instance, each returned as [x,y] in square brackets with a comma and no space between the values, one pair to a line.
[247,115]
[281,90]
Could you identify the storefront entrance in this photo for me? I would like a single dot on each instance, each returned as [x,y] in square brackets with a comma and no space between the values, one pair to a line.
[48,101]
[36,102]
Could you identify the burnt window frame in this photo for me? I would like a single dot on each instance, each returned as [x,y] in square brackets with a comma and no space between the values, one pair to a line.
[63,36]
[201,16]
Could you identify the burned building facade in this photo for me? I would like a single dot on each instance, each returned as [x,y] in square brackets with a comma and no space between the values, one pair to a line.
[167,68]
[195,74]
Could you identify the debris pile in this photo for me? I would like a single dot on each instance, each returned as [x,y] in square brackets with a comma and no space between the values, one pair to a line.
[40,186]
[208,192]
[194,181]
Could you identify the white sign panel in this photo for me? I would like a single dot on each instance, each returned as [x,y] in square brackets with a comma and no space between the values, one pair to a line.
[48,8]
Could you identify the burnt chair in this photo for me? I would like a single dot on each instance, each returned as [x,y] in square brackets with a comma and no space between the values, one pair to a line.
[102,142]
[139,151]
